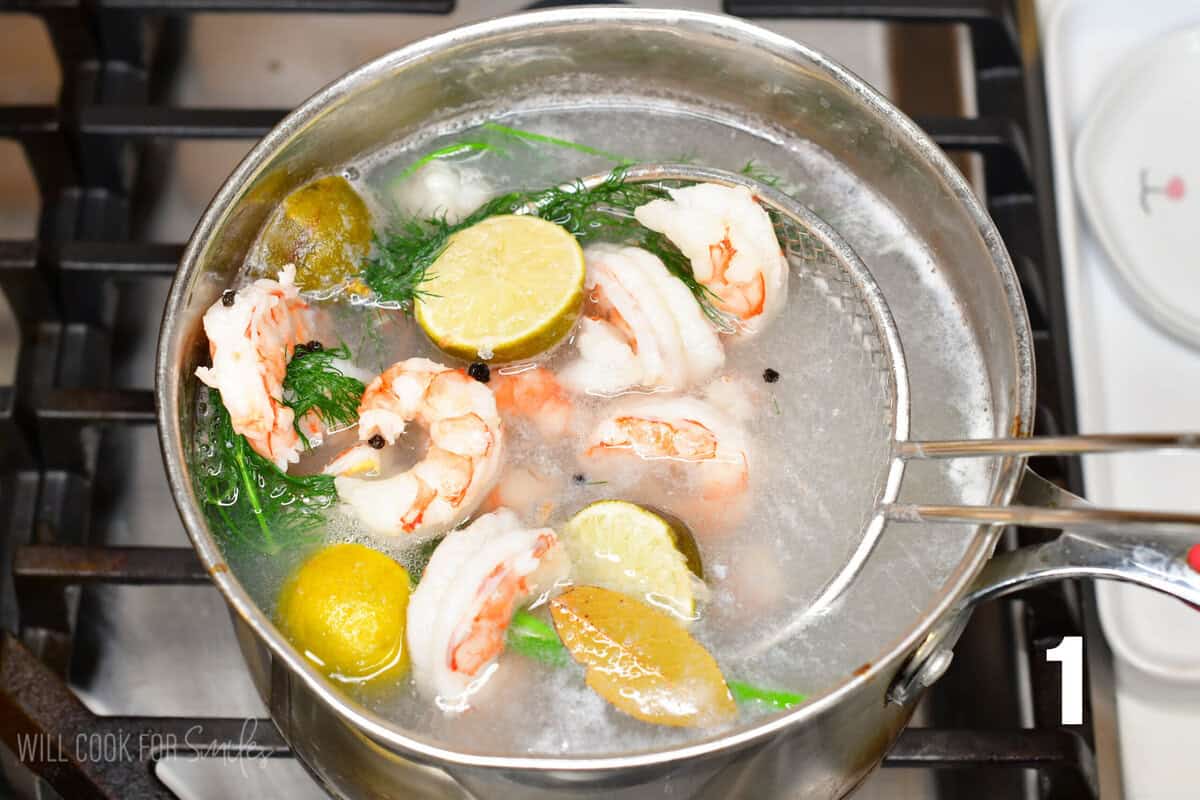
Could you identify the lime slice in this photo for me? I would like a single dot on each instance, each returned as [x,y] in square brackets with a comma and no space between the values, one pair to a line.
[505,289]
[623,547]
[324,228]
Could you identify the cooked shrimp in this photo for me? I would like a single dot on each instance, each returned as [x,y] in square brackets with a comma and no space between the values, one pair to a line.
[731,243]
[458,615]
[252,334]
[442,189]
[735,396]
[642,327]
[534,394]
[694,437]
[526,491]
[756,579]
[466,444]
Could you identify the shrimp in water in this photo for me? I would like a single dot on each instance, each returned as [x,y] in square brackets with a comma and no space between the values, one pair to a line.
[735,396]
[459,614]
[459,469]
[527,492]
[442,189]
[696,439]
[252,334]
[536,395]
[642,327]
[731,243]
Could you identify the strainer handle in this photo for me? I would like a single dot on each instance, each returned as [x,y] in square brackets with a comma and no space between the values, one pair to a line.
[1041,504]
[1047,445]
[1163,556]
[1160,551]
[1087,518]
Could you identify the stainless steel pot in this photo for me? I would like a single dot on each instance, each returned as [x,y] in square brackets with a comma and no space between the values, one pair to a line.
[714,65]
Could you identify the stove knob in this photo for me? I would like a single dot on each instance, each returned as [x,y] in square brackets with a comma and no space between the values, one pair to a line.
[1193,557]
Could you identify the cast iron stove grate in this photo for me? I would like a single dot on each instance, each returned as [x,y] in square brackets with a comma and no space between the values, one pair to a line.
[91,154]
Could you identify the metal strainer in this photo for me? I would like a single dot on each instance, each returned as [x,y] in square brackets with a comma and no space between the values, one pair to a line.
[835,276]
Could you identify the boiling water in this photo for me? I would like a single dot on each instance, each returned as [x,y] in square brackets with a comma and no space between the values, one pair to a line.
[818,444]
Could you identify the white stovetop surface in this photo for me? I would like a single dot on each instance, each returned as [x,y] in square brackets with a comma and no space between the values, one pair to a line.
[1129,376]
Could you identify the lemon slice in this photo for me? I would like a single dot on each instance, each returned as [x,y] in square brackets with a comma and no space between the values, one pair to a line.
[641,660]
[505,289]
[346,608]
[626,548]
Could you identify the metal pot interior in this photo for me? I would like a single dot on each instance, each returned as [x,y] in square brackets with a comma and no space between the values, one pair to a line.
[840,149]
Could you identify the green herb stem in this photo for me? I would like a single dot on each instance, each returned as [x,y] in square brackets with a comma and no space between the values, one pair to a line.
[251,501]
[534,638]
[239,455]
[751,169]
[455,149]
[745,693]
[449,151]
[542,138]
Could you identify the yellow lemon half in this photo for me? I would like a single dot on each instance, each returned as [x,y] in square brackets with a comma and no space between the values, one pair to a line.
[345,608]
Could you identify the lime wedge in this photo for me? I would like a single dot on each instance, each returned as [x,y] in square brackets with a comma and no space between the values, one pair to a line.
[505,289]
[623,547]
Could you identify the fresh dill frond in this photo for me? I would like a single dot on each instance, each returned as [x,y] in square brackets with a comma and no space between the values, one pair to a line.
[404,257]
[251,503]
[601,213]
[313,383]
[752,169]
[471,147]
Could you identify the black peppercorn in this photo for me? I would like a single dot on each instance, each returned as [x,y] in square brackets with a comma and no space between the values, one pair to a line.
[377,441]
[770,375]
[579,477]
[314,346]
[227,297]
[480,372]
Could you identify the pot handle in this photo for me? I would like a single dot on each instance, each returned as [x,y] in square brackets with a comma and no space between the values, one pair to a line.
[1168,562]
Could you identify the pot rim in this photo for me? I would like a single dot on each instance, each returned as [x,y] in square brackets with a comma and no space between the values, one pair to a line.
[168,385]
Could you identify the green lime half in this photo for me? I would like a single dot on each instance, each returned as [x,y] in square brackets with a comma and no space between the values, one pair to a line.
[505,289]
[324,228]
[626,548]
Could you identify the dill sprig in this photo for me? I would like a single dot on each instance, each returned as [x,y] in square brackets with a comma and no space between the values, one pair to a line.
[752,169]
[251,502]
[403,259]
[601,213]
[313,383]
